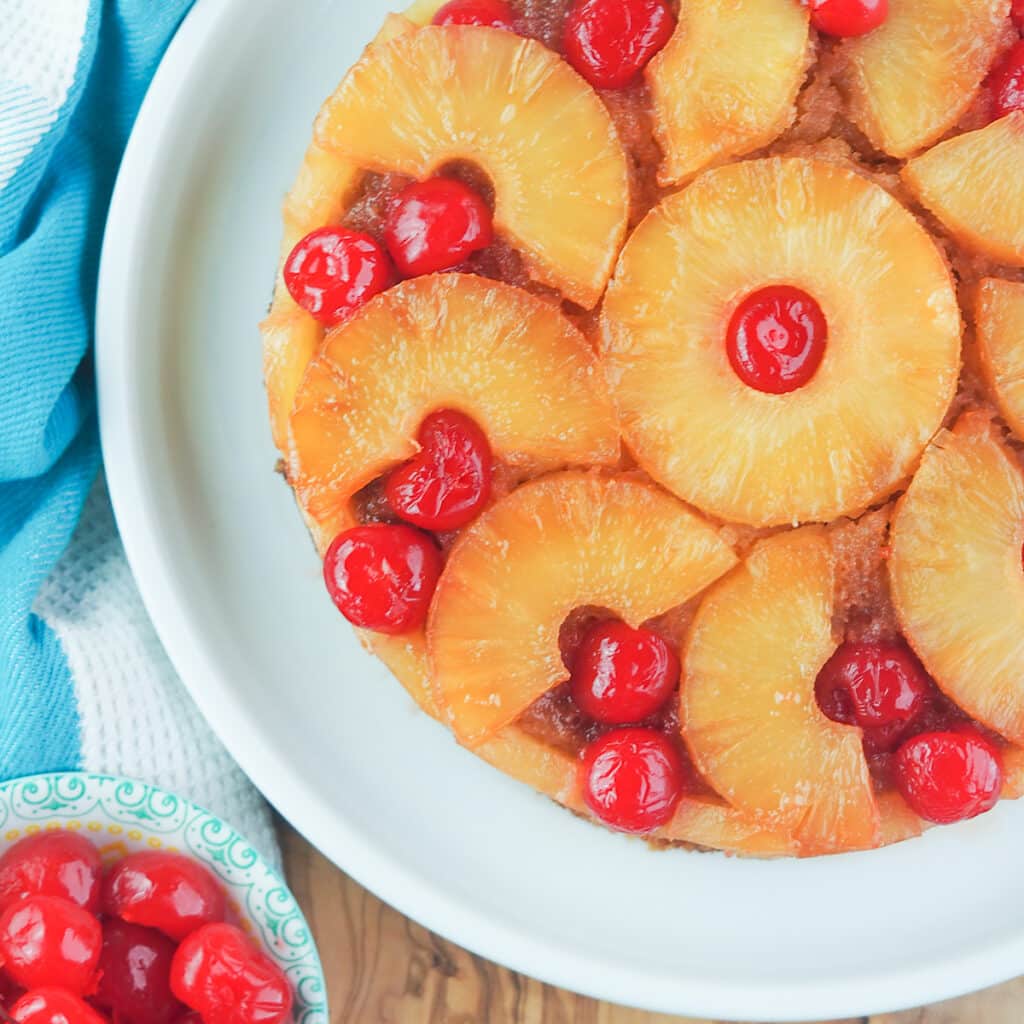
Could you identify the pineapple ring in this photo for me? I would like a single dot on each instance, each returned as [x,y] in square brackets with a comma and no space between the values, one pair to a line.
[552,545]
[748,709]
[324,189]
[972,184]
[851,435]
[511,105]
[710,100]
[508,359]
[938,52]
[956,572]
[999,322]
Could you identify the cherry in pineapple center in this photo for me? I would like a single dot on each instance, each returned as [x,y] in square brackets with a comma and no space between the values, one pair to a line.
[776,339]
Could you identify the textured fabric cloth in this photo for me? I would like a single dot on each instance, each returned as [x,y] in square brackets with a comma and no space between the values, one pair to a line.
[72,77]
[135,717]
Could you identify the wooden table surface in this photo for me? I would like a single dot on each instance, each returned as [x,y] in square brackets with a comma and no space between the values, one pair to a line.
[382,968]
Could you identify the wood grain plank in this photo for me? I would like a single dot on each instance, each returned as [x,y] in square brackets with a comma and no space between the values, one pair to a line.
[382,968]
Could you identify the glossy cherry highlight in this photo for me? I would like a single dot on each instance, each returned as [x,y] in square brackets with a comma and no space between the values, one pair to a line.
[776,339]
[489,13]
[1006,82]
[54,1006]
[846,18]
[435,224]
[949,776]
[62,864]
[609,42]
[882,688]
[135,974]
[332,271]
[632,779]
[221,974]
[166,891]
[47,941]
[622,675]
[382,577]
[447,484]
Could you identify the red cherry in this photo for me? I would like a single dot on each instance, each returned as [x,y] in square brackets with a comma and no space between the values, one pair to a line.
[382,577]
[621,674]
[1017,13]
[447,484]
[882,688]
[491,13]
[48,941]
[435,224]
[949,776]
[848,17]
[54,1006]
[167,891]
[52,864]
[220,973]
[135,974]
[776,339]
[332,271]
[632,779]
[609,42]
[1006,82]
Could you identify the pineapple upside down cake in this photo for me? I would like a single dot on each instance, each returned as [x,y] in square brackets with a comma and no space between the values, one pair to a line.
[650,375]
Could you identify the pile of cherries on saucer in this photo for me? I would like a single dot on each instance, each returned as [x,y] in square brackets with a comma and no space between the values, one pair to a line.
[147,942]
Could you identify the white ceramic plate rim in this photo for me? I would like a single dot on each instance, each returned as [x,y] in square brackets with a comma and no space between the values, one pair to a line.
[128,475]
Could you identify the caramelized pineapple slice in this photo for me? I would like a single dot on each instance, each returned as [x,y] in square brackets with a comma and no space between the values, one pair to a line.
[972,184]
[854,432]
[509,360]
[957,580]
[748,708]
[555,544]
[999,323]
[913,78]
[324,188]
[712,98]
[514,108]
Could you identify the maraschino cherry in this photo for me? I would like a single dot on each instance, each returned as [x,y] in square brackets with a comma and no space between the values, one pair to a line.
[135,974]
[166,891]
[382,577]
[1006,82]
[46,942]
[62,864]
[846,18]
[632,779]
[221,974]
[882,688]
[333,271]
[622,675]
[435,224]
[1017,14]
[609,42]
[776,339]
[449,481]
[949,776]
[489,13]
[54,1006]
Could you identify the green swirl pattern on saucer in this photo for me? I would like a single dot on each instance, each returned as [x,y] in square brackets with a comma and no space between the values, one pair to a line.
[121,816]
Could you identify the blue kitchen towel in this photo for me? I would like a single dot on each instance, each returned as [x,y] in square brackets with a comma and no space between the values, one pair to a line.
[72,77]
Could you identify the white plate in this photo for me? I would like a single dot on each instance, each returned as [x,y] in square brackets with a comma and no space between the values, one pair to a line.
[233,586]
